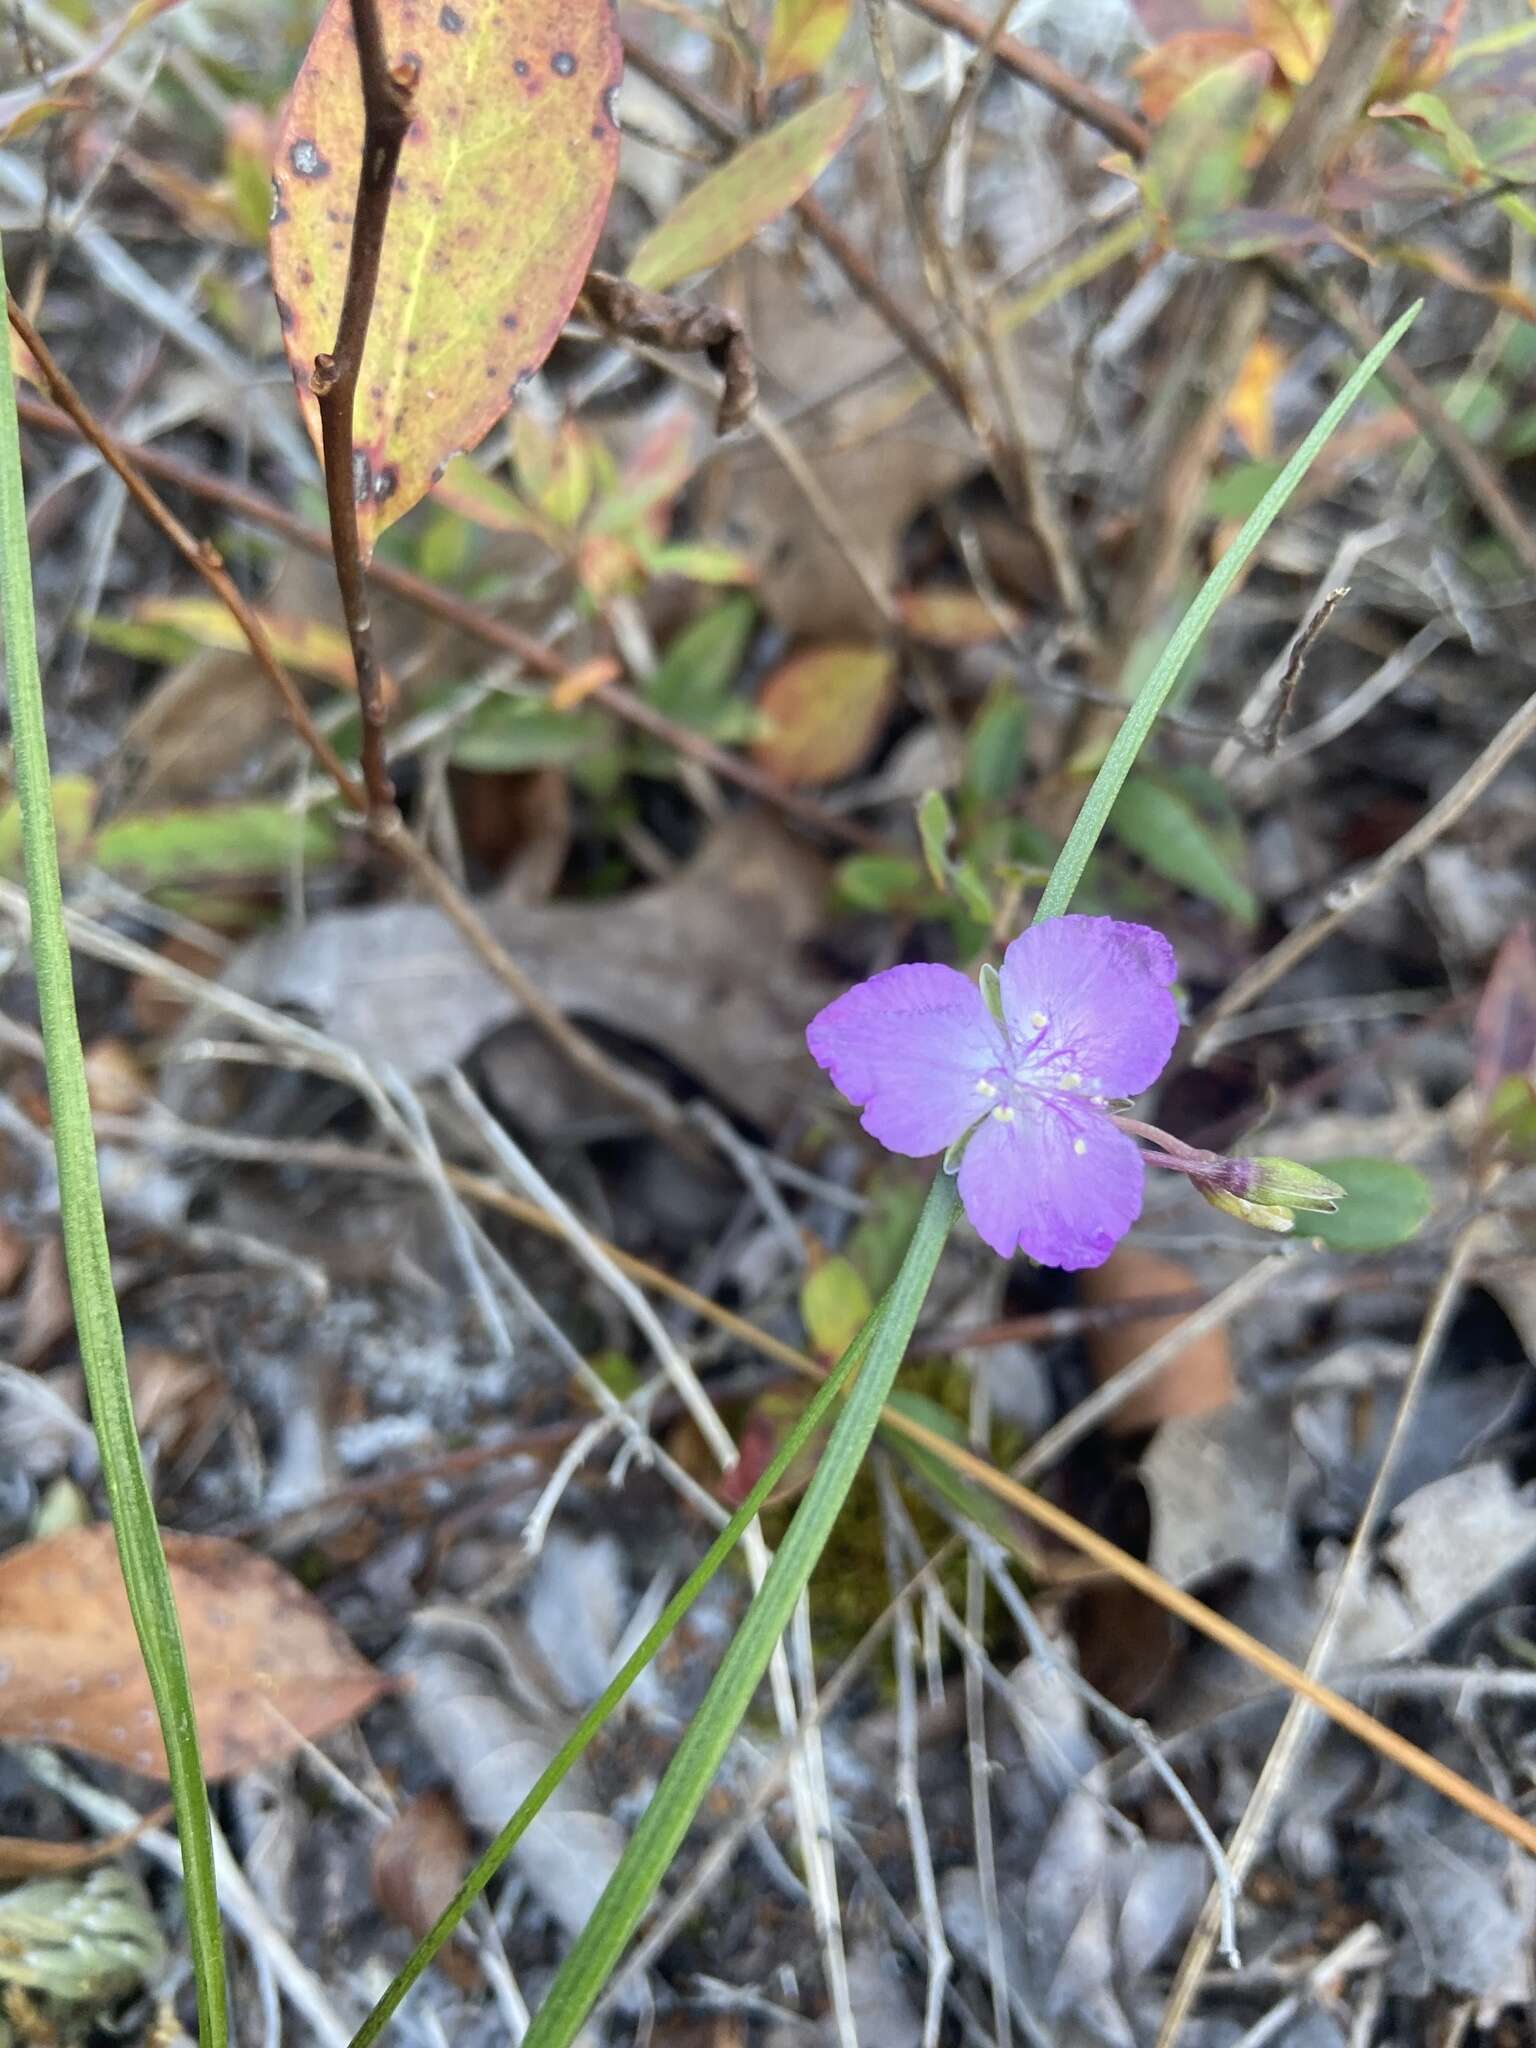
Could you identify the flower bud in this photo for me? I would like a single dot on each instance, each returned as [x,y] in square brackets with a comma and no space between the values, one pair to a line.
[1267,1192]
[1256,1213]
[1285,1184]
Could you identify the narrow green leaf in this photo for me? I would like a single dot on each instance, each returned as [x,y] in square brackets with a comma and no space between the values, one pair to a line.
[725,209]
[694,676]
[100,1333]
[1154,692]
[795,1441]
[1160,825]
[698,1756]
[1384,1204]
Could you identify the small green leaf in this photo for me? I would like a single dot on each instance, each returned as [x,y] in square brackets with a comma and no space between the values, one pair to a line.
[961,1493]
[801,37]
[834,1301]
[725,209]
[214,839]
[694,676]
[1196,162]
[994,747]
[1160,825]
[508,733]
[935,831]
[74,806]
[1384,1204]
[882,881]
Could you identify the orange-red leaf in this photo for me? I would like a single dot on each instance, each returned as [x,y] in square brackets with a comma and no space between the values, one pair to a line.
[268,1665]
[725,210]
[823,711]
[503,182]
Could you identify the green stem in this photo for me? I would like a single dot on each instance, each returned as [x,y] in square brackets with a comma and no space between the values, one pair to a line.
[145,1575]
[730,1534]
[678,1797]
[1142,715]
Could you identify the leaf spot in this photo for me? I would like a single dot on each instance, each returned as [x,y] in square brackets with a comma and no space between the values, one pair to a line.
[520,66]
[563,64]
[307,160]
[278,213]
[362,477]
[386,483]
[509,321]
[451,21]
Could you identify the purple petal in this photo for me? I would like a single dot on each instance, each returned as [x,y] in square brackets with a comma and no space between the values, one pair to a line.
[1027,1187]
[908,1047]
[1101,989]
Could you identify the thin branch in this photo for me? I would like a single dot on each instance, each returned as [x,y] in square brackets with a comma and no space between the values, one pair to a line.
[387,97]
[457,612]
[1357,890]
[1300,1726]
[200,555]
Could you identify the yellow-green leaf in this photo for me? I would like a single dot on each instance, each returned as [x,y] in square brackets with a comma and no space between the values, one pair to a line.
[801,37]
[823,711]
[311,647]
[162,847]
[502,186]
[725,210]
[484,500]
[834,1301]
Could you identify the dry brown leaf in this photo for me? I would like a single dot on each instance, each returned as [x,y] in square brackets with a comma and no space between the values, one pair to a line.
[1199,1380]
[419,1862]
[269,1667]
[15,1251]
[47,1314]
[21,1857]
[711,968]
[114,1078]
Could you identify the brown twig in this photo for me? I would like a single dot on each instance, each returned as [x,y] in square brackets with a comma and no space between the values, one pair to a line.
[200,555]
[1290,682]
[654,1108]
[467,618]
[387,97]
[1512,738]
[713,331]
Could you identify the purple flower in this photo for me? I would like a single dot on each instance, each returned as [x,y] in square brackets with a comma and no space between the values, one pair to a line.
[1085,1015]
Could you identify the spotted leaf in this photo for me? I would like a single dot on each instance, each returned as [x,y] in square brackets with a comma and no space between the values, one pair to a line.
[503,182]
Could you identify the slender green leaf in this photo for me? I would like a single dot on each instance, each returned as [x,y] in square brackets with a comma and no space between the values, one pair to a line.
[1155,691]
[698,1756]
[84,1231]
[766,175]
[798,1436]
[1161,826]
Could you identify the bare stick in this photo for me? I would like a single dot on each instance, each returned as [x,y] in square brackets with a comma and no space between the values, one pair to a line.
[1301,1720]
[200,555]
[1342,902]
[444,605]
[386,118]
